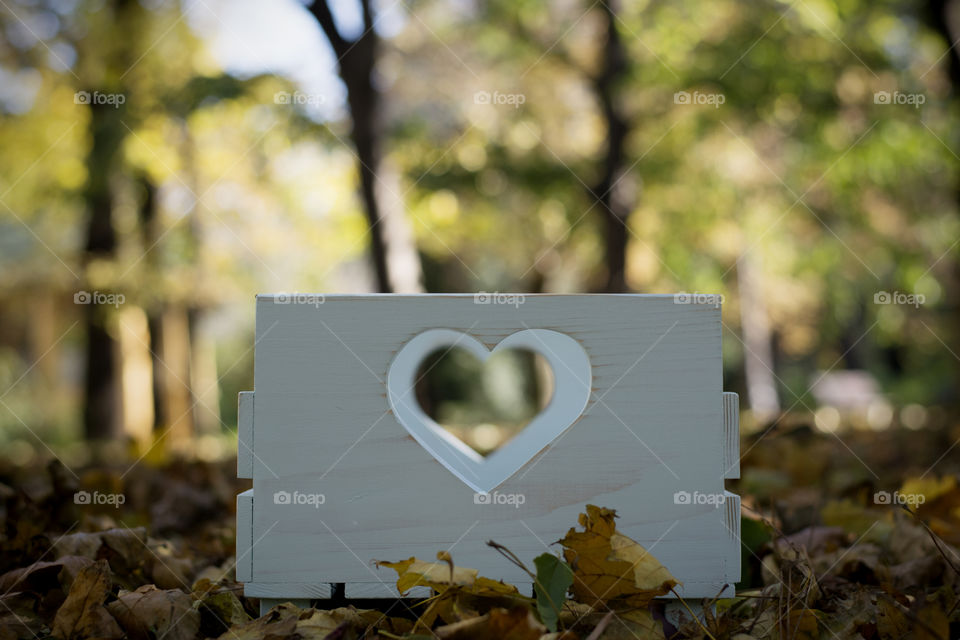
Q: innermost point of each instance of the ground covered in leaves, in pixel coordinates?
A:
(825, 555)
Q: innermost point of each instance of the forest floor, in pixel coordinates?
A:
(824, 556)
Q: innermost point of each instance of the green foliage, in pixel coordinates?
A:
(554, 577)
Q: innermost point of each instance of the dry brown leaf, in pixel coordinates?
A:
(82, 615)
(278, 623)
(517, 623)
(436, 575)
(636, 624)
(288, 621)
(608, 565)
(150, 612)
(461, 593)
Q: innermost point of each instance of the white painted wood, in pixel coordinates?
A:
(244, 557)
(245, 434)
(572, 381)
(287, 590)
(731, 520)
(340, 482)
(731, 434)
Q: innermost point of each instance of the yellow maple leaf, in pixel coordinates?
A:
(608, 565)
(459, 589)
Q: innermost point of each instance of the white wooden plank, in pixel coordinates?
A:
(244, 558)
(287, 590)
(731, 435)
(734, 549)
(245, 434)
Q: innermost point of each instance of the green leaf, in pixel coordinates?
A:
(554, 577)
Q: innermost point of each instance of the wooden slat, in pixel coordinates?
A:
(731, 435)
(245, 434)
(244, 567)
(731, 518)
(287, 590)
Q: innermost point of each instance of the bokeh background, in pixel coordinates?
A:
(164, 161)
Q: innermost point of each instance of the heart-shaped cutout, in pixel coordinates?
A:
(484, 402)
(572, 384)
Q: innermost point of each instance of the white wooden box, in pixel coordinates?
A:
(338, 481)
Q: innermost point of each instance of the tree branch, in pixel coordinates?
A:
(321, 11)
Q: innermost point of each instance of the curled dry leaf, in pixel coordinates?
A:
(287, 622)
(465, 595)
(82, 614)
(149, 613)
(517, 623)
(608, 565)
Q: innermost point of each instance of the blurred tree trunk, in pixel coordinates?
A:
(944, 17)
(149, 236)
(759, 365)
(396, 263)
(615, 190)
(101, 384)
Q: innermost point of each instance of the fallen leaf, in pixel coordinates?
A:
(608, 565)
(518, 623)
(460, 592)
(286, 621)
(149, 612)
(82, 614)
(436, 575)
(554, 577)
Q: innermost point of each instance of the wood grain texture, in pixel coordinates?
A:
(731, 435)
(653, 426)
(244, 557)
